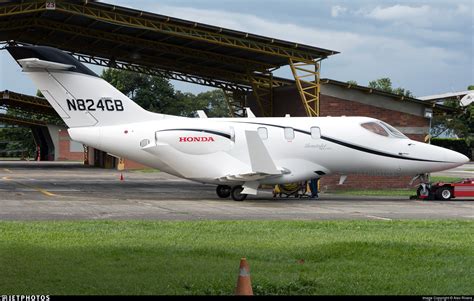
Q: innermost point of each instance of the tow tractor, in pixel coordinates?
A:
(446, 191)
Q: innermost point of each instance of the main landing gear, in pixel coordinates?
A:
(224, 191)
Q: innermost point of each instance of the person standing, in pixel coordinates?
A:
(313, 185)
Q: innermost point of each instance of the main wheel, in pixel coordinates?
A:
(444, 193)
(237, 194)
(223, 191)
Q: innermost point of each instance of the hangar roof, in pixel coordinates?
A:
(14, 120)
(28, 110)
(115, 36)
(24, 102)
(446, 96)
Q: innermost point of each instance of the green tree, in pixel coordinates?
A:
(153, 93)
(16, 139)
(459, 123)
(471, 87)
(385, 84)
(156, 94)
(352, 82)
(213, 103)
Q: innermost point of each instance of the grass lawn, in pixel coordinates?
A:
(202, 257)
(445, 179)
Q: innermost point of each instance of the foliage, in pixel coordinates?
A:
(152, 93)
(213, 103)
(352, 82)
(458, 145)
(459, 123)
(156, 94)
(15, 141)
(385, 84)
(471, 87)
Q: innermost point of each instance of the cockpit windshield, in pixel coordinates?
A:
(393, 130)
(375, 128)
(383, 129)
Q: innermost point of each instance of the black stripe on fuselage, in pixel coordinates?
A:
(225, 135)
(349, 145)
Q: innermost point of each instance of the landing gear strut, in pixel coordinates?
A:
(237, 195)
(223, 191)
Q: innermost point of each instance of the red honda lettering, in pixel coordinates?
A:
(196, 139)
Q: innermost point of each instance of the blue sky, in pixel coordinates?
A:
(423, 46)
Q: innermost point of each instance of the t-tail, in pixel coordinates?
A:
(78, 95)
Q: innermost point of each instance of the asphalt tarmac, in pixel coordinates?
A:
(70, 191)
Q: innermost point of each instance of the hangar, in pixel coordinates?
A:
(239, 63)
(48, 130)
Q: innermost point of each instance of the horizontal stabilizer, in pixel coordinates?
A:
(37, 63)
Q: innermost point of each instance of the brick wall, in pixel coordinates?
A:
(364, 182)
(332, 106)
(64, 148)
(129, 164)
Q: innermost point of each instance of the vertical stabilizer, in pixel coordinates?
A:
(78, 95)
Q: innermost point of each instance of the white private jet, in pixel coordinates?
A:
(237, 154)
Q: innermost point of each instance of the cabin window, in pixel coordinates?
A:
(263, 133)
(315, 132)
(289, 134)
(375, 128)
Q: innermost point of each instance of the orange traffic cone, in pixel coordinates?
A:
(244, 286)
(121, 176)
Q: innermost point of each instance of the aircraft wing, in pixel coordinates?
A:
(261, 162)
(248, 177)
(260, 159)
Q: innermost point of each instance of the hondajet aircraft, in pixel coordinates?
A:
(237, 154)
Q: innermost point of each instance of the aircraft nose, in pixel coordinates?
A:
(456, 158)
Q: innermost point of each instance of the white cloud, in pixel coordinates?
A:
(332, 39)
(420, 16)
(398, 12)
(411, 64)
(464, 9)
(337, 10)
